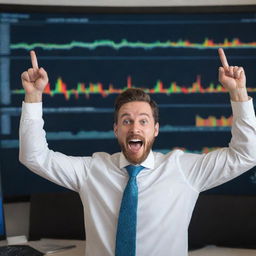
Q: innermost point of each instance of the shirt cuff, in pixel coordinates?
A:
(32, 110)
(243, 108)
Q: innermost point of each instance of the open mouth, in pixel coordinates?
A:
(135, 145)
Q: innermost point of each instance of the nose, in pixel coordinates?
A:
(135, 128)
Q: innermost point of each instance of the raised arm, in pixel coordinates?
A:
(34, 153)
(204, 171)
(34, 81)
(233, 79)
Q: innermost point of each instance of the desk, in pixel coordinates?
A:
(79, 250)
(222, 251)
(206, 251)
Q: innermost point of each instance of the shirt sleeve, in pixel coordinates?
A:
(67, 171)
(204, 171)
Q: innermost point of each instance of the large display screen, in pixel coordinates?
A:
(91, 58)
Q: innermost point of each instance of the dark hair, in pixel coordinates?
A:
(135, 94)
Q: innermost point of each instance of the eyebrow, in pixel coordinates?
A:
(141, 114)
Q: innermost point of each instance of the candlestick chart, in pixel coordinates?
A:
(92, 58)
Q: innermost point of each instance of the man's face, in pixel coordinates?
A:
(136, 130)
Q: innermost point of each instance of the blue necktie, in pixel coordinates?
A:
(126, 228)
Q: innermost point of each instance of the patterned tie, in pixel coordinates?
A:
(126, 228)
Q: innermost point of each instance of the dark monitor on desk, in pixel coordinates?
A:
(2, 222)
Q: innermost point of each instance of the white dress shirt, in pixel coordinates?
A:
(168, 185)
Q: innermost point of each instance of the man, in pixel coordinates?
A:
(162, 196)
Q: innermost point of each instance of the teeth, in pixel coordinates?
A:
(135, 140)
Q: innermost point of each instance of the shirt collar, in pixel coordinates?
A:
(149, 162)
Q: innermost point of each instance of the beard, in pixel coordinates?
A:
(133, 158)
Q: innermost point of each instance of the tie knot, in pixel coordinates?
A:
(133, 170)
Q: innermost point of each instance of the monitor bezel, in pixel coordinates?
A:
(14, 8)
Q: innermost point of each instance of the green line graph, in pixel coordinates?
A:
(124, 43)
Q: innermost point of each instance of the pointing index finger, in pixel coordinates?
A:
(34, 60)
(223, 58)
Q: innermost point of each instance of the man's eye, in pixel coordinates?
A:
(143, 121)
(126, 121)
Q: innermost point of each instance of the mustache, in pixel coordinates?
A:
(133, 137)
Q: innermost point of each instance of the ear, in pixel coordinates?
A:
(115, 129)
(156, 129)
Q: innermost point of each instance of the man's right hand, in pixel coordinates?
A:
(34, 81)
